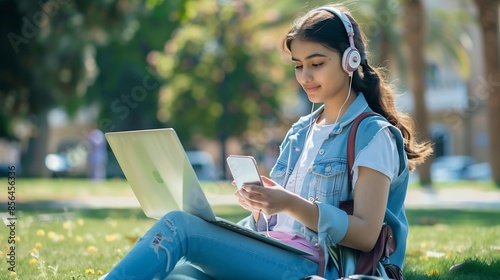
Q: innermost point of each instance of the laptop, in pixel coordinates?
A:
(159, 172)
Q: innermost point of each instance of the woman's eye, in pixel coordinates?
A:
(312, 64)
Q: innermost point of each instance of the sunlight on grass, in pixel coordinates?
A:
(453, 252)
(85, 243)
(66, 188)
(478, 185)
(73, 246)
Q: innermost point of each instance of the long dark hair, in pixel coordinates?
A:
(323, 27)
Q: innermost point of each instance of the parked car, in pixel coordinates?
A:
(70, 159)
(203, 165)
(10, 169)
(451, 168)
(479, 171)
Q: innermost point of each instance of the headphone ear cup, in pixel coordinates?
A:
(351, 60)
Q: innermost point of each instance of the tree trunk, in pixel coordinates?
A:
(414, 40)
(489, 20)
(384, 47)
(33, 154)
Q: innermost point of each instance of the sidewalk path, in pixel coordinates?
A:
(416, 198)
(453, 198)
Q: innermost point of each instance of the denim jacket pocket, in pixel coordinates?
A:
(278, 172)
(328, 180)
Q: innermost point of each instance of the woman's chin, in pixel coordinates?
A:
(314, 99)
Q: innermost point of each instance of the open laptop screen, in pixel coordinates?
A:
(159, 172)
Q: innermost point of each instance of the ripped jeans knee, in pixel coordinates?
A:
(165, 231)
(158, 251)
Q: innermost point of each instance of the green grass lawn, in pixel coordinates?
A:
(82, 243)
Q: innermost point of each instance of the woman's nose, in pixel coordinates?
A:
(304, 76)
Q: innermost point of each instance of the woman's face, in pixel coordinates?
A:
(319, 72)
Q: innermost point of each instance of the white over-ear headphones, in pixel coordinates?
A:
(351, 59)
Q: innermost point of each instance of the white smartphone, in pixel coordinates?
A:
(244, 170)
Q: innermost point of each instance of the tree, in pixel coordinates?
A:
(489, 23)
(50, 59)
(384, 24)
(126, 89)
(379, 21)
(219, 81)
(413, 15)
(22, 92)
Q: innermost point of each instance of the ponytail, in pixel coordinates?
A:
(380, 98)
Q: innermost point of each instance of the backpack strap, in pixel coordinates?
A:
(351, 141)
(386, 243)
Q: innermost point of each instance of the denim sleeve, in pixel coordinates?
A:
(332, 222)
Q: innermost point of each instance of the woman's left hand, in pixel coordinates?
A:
(270, 198)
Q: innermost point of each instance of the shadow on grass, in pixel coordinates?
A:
(229, 212)
(470, 269)
(464, 217)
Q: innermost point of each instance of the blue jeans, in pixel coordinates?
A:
(195, 247)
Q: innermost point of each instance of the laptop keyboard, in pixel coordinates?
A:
(235, 227)
(257, 235)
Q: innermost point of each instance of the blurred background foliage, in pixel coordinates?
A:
(209, 67)
(216, 64)
(198, 66)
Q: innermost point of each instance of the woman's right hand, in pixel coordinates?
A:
(244, 202)
(268, 197)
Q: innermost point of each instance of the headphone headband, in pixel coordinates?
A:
(351, 59)
(345, 20)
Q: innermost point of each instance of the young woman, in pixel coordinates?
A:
(310, 177)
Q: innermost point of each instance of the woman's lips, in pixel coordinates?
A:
(311, 88)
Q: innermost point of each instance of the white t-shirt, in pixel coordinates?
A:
(313, 142)
(382, 147)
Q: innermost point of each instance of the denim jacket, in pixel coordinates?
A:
(326, 180)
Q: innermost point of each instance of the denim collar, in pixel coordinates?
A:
(357, 107)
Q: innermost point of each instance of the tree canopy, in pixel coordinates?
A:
(217, 76)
